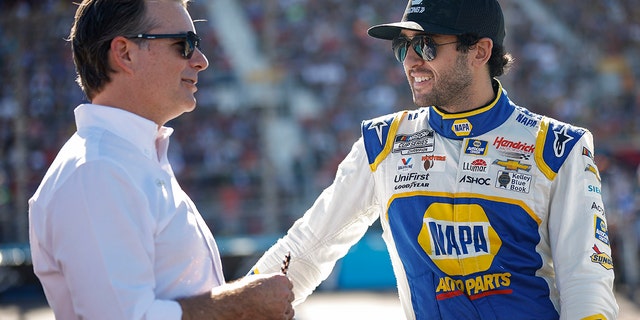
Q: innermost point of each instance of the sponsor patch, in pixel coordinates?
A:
(512, 165)
(601, 230)
(561, 138)
(475, 165)
(503, 144)
(587, 153)
(459, 244)
(419, 142)
(514, 181)
(593, 191)
(474, 287)
(594, 170)
(378, 127)
(434, 163)
(598, 207)
(462, 127)
(601, 258)
(411, 180)
(483, 181)
(526, 121)
(405, 164)
(476, 147)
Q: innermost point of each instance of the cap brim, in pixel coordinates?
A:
(390, 31)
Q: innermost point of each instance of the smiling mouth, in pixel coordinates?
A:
(421, 79)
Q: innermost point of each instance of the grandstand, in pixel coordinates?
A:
(289, 83)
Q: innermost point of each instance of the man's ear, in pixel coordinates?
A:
(121, 54)
(483, 51)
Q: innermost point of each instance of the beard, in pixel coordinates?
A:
(450, 89)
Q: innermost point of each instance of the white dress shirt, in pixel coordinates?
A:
(113, 236)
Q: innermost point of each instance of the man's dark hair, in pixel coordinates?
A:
(96, 24)
(500, 60)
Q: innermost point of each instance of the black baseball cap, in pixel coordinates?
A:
(456, 17)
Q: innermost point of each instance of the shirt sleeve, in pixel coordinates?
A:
(579, 240)
(336, 221)
(102, 240)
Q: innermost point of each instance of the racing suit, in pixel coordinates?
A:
(494, 213)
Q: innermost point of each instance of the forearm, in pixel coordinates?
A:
(221, 303)
(263, 297)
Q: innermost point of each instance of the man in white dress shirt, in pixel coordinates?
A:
(113, 236)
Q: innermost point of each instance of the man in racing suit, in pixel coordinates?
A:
(488, 210)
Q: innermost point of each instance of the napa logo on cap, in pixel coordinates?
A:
(459, 247)
(461, 127)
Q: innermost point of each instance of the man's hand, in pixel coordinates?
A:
(264, 296)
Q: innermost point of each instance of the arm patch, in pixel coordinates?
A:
(376, 133)
(554, 143)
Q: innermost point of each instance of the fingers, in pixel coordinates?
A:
(289, 313)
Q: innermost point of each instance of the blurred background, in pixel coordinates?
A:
(280, 106)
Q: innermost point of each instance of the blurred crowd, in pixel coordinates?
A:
(575, 60)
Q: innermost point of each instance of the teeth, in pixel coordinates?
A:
(421, 79)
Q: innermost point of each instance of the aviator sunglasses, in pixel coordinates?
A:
(191, 40)
(423, 45)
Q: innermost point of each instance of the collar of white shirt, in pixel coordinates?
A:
(141, 132)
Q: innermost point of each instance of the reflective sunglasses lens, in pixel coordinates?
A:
(399, 47)
(191, 42)
(418, 44)
(424, 47)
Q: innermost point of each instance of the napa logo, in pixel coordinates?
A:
(462, 127)
(459, 247)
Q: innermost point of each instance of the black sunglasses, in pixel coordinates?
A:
(191, 40)
(423, 45)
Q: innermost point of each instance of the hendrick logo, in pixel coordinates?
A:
(507, 145)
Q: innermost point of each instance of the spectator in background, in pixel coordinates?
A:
(113, 236)
(488, 210)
